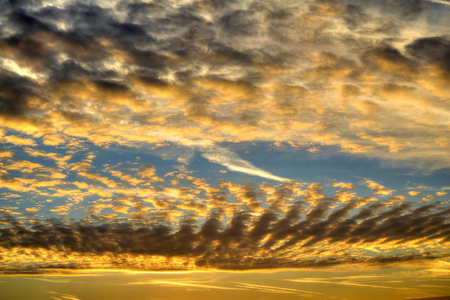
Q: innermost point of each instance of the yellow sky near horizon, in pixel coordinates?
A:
(429, 279)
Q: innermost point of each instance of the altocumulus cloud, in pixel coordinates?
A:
(331, 73)
(301, 233)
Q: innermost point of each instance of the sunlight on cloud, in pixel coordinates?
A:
(59, 296)
(342, 281)
(232, 161)
(439, 1)
(275, 289)
(192, 284)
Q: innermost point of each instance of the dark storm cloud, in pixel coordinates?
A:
(247, 241)
(151, 31)
(14, 91)
(383, 56)
(27, 22)
(432, 49)
(239, 22)
(407, 9)
(155, 40)
(355, 16)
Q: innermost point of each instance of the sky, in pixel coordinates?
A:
(264, 149)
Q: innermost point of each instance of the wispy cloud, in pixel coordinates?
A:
(439, 1)
(274, 289)
(238, 286)
(191, 284)
(49, 280)
(347, 281)
(61, 296)
(227, 158)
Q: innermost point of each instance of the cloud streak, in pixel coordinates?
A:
(233, 162)
(189, 284)
(347, 282)
(439, 1)
(275, 289)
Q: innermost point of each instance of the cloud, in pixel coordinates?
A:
(343, 281)
(233, 162)
(275, 289)
(51, 280)
(237, 286)
(378, 188)
(439, 1)
(369, 79)
(189, 284)
(18, 141)
(60, 296)
(289, 235)
(294, 72)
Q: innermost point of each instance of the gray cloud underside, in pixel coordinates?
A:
(271, 239)
(175, 45)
